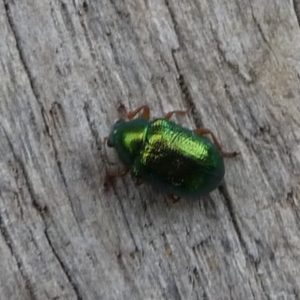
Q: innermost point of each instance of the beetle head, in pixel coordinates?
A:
(112, 138)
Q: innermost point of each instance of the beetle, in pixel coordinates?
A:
(177, 160)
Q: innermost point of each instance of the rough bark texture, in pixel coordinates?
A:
(65, 66)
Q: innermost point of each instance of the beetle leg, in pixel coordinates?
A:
(117, 173)
(138, 181)
(106, 142)
(111, 175)
(145, 114)
(173, 198)
(174, 112)
(204, 131)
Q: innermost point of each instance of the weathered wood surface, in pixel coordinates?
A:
(65, 66)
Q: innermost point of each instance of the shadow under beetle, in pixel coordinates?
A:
(177, 160)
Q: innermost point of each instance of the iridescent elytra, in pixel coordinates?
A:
(177, 160)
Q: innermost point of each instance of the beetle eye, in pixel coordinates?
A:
(109, 144)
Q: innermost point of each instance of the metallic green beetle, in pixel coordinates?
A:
(179, 161)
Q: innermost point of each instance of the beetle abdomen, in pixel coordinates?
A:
(178, 160)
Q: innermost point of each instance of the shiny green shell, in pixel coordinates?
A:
(167, 155)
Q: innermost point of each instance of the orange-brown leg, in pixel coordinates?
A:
(137, 181)
(145, 112)
(112, 174)
(173, 198)
(105, 142)
(175, 112)
(204, 131)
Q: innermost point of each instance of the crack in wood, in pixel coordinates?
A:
(254, 262)
(128, 226)
(36, 95)
(234, 67)
(29, 186)
(260, 30)
(296, 6)
(4, 231)
(92, 127)
(186, 95)
(172, 16)
(20, 51)
(58, 162)
(9, 242)
(228, 202)
(64, 268)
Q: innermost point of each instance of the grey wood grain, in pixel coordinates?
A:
(65, 66)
